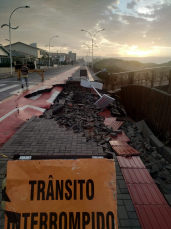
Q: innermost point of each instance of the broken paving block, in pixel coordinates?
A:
(154, 169)
(114, 135)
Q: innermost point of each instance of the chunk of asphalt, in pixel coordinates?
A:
(57, 109)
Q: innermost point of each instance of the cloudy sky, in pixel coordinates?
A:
(132, 27)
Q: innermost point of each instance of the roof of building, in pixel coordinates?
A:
(26, 45)
(21, 54)
(2, 47)
(55, 53)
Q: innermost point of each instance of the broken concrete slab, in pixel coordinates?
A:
(142, 126)
(156, 143)
(166, 153)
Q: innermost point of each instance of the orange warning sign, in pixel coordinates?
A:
(61, 194)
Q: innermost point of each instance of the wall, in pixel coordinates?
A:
(23, 48)
(62, 58)
(150, 104)
(6, 70)
(2, 52)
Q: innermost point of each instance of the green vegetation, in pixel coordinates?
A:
(114, 65)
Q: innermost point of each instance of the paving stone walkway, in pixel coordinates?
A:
(40, 136)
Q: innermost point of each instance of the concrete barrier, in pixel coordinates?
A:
(166, 153)
(154, 141)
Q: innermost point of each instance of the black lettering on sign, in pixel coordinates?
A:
(93, 220)
(110, 218)
(68, 197)
(53, 220)
(85, 219)
(43, 220)
(74, 224)
(41, 189)
(81, 182)
(75, 189)
(63, 222)
(25, 216)
(14, 225)
(32, 182)
(90, 186)
(59, 189)
(50, 192)
(100, 220)
(33, 221)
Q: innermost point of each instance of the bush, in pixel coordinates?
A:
(5, 65)
(30, 66)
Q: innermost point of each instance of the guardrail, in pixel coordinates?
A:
(40, 72)
(151, 77)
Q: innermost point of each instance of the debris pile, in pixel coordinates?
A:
(158, 167)
(74, 109)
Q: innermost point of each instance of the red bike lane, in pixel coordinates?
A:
(16, 110)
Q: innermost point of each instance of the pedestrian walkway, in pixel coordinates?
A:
(45, 137)
(139, 202)
(17, 109)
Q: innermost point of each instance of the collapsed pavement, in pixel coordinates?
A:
(74, 109)
(158, 167)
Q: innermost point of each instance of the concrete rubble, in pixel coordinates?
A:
(74, 109)
(158, 167)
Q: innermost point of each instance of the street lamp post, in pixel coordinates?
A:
(10, 31)
(88, 47)
(60, 50)
(49, 49)
(92, 37)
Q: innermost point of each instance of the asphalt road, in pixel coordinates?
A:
(9, 86)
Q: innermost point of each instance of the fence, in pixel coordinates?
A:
(150, 104)
(152, 77)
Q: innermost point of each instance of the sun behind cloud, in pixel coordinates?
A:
(134, 51)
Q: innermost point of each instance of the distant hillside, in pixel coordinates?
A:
(113, 65)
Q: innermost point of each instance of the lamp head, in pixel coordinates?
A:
(27, 6)
(4, 25)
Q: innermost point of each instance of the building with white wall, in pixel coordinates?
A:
(4, 54)
(58, 56)
(31, 49)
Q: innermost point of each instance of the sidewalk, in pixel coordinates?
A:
(17, 109)
(44, 136)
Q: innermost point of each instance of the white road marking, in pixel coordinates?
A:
(2, 85)
(50, 100)
(35, 97)
(21, 108)
(9, 87)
